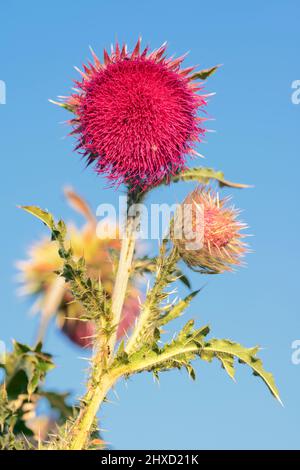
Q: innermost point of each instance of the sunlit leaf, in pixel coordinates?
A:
(44, 216)
(205, 73)
(223, 349)
(204, 176)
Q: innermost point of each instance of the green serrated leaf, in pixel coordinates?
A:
(178, 309)
(87, 292)
(222, 348)
(204, 175)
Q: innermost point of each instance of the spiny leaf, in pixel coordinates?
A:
(183, 278)
(174, 355)
(186, 346)
(149, 265)
(183, 334)
(148, 321)
(144, 265)
(223, 349)
(191, 371)
(178, 309)
(20, 348)
(25, 368)
(227, 363)
(85, 290)
(199, 335)
(204, 74)
(204, 175)
(44, 216)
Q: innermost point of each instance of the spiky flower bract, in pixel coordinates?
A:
(208, 235)
(38, 277)
(136, 115)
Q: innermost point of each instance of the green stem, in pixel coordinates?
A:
(95, 397)
(98, 392)
(125, 262)
(101, 378)
(122, 278)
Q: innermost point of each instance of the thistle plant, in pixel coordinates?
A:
(53, 296)
(136, 116)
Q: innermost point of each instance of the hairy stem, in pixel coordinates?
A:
(98, 390)
(125, 262)
(94, 398)
(101, 376)
(124, 268)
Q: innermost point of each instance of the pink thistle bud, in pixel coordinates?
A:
(207, 234)
(136, 115)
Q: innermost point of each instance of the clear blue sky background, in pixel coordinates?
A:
(257, 142)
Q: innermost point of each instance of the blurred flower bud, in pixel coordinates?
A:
(207, 234)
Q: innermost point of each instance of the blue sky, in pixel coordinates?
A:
(256, 141)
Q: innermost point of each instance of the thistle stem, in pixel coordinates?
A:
(85, 420)
(124, 268)
(101, 376)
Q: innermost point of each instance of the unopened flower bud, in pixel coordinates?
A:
(207, 234)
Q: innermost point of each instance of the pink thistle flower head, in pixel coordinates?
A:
(136, 115)
(207, 233)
